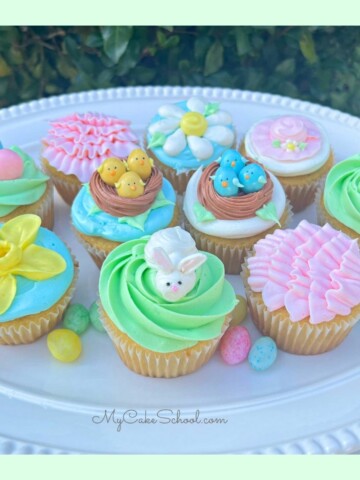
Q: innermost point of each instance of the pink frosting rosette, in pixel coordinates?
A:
(79, 143)
(286, 138)
(312, 271)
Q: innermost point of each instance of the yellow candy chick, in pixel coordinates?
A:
(130, 185)
(139, 162)
(111, 170)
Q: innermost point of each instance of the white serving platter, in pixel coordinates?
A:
(301, 405)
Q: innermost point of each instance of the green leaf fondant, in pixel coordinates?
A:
(94, 209)
(211, 108)
(302, 145)
(268, 212)
(139, 220)
(201, 214)
(276, 143)
(157, 140)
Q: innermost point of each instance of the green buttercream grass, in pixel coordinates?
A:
(25, 190)
(128, 296)
(342, 192)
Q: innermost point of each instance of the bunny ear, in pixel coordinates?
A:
(161, 259)
(191, 263)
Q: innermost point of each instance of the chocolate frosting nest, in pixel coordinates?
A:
(244, 205)
(108, 200)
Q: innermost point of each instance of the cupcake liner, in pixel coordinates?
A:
(99, 248)
(232, 251)
(301, 189)
(31, 327)
(68, 186)
(161, 365)
(301, 338)
(324, 217)
(44, 207)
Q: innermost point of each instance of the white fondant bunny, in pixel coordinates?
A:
(173, 253)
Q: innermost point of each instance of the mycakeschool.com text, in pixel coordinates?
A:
(164, 416)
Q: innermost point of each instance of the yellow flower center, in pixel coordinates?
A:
(10, 256)
(193, 123)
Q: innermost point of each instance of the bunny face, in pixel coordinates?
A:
(174, 282)
(175, 285)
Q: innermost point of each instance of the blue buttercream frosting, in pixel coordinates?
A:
(185, 160)
(33, 297)
(87, 218)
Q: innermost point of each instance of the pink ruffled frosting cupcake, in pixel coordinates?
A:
(307, 280)
(79, 143)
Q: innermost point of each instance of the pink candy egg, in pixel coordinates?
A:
(11, 165)
(235, 345)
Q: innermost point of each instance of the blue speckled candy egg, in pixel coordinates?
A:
(263, 354)
(233, 159)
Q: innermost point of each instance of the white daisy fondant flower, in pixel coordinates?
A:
(198, 128)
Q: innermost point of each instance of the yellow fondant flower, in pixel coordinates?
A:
(20, 256)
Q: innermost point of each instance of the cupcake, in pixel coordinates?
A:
(37, 280)
(123, 201)
(303, 287)
(186, 135)
(77, 145)
(24, 188)
(338, 202)
(164, 304)
(296, 150)
(230, 205)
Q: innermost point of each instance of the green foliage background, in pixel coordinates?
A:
(320, 64)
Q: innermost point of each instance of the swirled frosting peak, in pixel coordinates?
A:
(25, 190)
(79, 143)
(312, 271)
(342, 192)
(129, 297)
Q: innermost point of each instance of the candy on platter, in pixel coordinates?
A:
(263, 353)
(235, 345)
(76, 318)
(64, 345)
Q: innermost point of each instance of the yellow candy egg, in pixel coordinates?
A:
(193, 123)
(139, 162)
(130, 185)
(111, 170)
(64, 345)
(240, 311)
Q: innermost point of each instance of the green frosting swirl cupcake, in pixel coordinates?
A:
(342, 192)
(130, 299)
(25, 190)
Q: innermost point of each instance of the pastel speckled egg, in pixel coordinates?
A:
(235, 345)
(64, 345)
(95, 318)
(76, 318)
(262, 354)
(11, 165)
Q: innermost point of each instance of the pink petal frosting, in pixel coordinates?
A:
(312, 271)
(292, 127)
(79, 143)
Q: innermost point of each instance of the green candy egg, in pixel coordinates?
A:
(95, 318)
(76, 318)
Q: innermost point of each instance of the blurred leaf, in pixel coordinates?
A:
(5, 70)
(66, 68)
(214, 58)
(307, 48)
(116, 40)
(286, 67)
(94, 40)
(242, 41)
